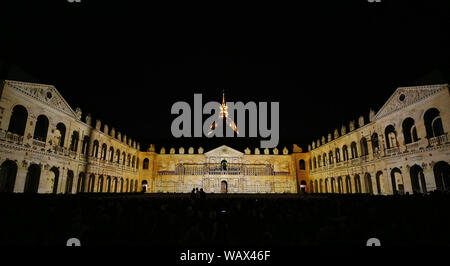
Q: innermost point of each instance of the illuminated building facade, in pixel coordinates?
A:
(46, 147)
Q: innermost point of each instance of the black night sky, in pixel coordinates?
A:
(126, 63)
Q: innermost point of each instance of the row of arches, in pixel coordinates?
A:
(17, 125)
(348, 184)
(112, 155)
(8, 175)
(433, 128)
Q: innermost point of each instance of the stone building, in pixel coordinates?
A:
(46, 147)
(404, 148)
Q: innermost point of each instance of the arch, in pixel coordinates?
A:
(378, 177)
(303, 186)
(120, 189)
(127, 185)
(91, 183)
(85, 145)
(338, 155)
(409, 131)
(111, 154)
(340, 185)
(314, 163)
(364, 147)
(129, 160)
(74, 141)
(131, 185)
(368, 184)
(345, 152)
(133, 159)
(124, 158)
(18, 120)
(95, 147)
(316, 186)
(357, 182)
(442, 175)
(333, 185)
(62, 131)
(348, 184)
(433, 123)
(100, 184)
(397, 181)
(81, 184)
(319, 161)
(354, 150)
(330, 157)
(108, 184)
(118, 156)
(8, 173)
(41, 128)
(103, 151)
(137, 163)
(115, 184)
(311, 186)
(391, 137)
(324, 158)
(417, 179)
(375, 143)
(326, 185)
(321, 186)
(55, 172)
(135, 186)
(223, 186)
(301, 164)
(69, 182)
(144, 185)
(32, 179)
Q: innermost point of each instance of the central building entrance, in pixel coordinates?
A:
(224, 187)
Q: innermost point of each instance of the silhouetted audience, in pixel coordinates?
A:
(224, 220)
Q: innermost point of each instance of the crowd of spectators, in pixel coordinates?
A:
(224, 219)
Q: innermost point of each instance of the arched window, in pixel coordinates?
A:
(8, 173)
(409, 131)
(85, 146)
(81, 184)
(354, 150)
(324, 158)
(118, 156)
(375, 144)
(397, 181)
(111, 154)
(32, 179)
(69, 182)
(368, 183)
(145, 164)
(330, 157)
(338, 155)
(314, 163)
(100, 184)
(132, 161)
(364, 147)
(41, 128)
(301, 164)
(391, 137)
(319, 161)
(137, 163)
(91, 183)
(345, 152)
(223, 165)
(433, 123)
(74, 141)
(95, 149)
(129, 160)
(417, 179)
(55, 172)
(18, 120)
(348, 184)
(357, 184)
(62, 134)
(442, 175)
(104, 149)
(124, 158)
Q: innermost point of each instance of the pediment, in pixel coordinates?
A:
(405, 96)
(46, 94)
(224, 151)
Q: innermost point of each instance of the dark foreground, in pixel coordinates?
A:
(224, 220)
